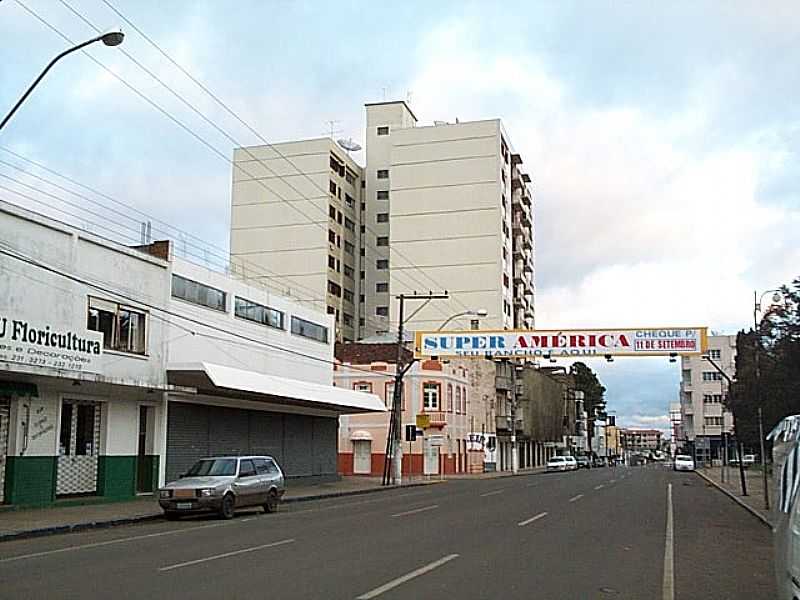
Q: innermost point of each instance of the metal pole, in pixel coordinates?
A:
(514, 461)
(397, 460)
(756, 306)
(43, 73)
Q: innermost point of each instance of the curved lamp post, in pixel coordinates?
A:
(112, 38)
(481, 312)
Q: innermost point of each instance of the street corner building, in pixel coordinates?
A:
(120, 366)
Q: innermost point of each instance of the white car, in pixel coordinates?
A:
(573, 464)
(558, 463)
(683, 462)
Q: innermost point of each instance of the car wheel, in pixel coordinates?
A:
(171, 515)
(227, 509)
(271, 505)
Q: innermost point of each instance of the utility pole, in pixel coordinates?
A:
(757, 334)
(514, 458)
(393, 459)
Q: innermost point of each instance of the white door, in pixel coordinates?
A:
(431, 462)
(3, 445)
(362, 457)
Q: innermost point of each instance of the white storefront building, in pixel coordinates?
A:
(119, 366)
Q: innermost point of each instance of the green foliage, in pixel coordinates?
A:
(777, 344)
(594, 392)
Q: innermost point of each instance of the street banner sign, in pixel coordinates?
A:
(562, 343)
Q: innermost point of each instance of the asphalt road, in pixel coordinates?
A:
(602, 533)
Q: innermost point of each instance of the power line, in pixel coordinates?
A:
(175, 120)
(17, 255)
(240, 120)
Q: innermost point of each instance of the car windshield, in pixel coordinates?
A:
(683, 457)
(557, 459)
(217, 466)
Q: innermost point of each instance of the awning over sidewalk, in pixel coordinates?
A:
(219, 380)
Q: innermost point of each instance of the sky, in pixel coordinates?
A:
(663, 139)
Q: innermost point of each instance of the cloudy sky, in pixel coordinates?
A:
(663, 138)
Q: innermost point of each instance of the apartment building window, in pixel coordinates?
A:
(363, 251)
(338, 241)
(350, 177)
(362, 386)
(348, 295)
(463, 400)
(331, 236)
(382, 217)
(715, 354)
(349, 225)
(361, 298)
(458, 400)
(361, 321)
(331, 262)
(711, 376)
(382, 287)
(383, 174)
(363, 206)
(347, 320)
(332, 212)
(258, 313)
(361, 275)
(339, 217)
(332, 187)
(338, 266)
(349, 248)
(713, 421)
(348, 199)
(382, 311)
(430, 395)
(505, 253)
(123, 328)
(383, 130)
(505, 279)
(383, 194)
(348, 272)
(449, 397)
(382, 264)
(198, 293)
(712, 398)
(309, 330)
(382, 240)
(331, 310)
(335, 289)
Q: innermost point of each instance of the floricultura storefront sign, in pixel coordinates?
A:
(42, 345)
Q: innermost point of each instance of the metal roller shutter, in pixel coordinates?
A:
(325, 442)
(228, 433)
(297, 446)
(187, 437)
(266, 434)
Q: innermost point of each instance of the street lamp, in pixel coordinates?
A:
(480, 313)
(112, 38)
(776, 297)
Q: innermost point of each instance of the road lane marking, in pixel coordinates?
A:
(109, 542)
(225, 555)
(407, 577)
(599, 487)
(669, 552)
(532, 519)
(416, 510)
(346, 504)
(492, 493)
(613, 481)
(574, 498)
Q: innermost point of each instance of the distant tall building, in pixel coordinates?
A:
(702, 393)
(440, 207)
(675, 427)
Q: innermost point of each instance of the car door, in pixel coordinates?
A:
(264, 478)
(276, 476)
(246, 485)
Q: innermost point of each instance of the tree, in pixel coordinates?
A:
(593, 393)
(777, 341)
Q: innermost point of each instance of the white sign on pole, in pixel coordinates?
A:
(572, 343)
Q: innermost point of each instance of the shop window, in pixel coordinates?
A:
(258, 313)
(309, 330)
(198, 293)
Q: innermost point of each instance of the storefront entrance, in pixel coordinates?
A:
(79, 441)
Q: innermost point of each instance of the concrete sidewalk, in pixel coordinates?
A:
(754, 501)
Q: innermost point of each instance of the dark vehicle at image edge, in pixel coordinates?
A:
(583, 462)
(222, 484)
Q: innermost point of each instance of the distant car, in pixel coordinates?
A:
(600, 461)
(683, 462)
(583, 462)
(572, 463)
(223, 484)
(558, 463)
(748, 460)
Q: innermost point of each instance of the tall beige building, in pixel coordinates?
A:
(295, 224)
(440, 207)
(702, 392)
(453, 204)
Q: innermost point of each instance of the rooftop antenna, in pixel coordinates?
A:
(408, 97)
(332, 128)
(386, 89)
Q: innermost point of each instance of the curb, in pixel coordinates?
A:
(76, 527)
(739, 501)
